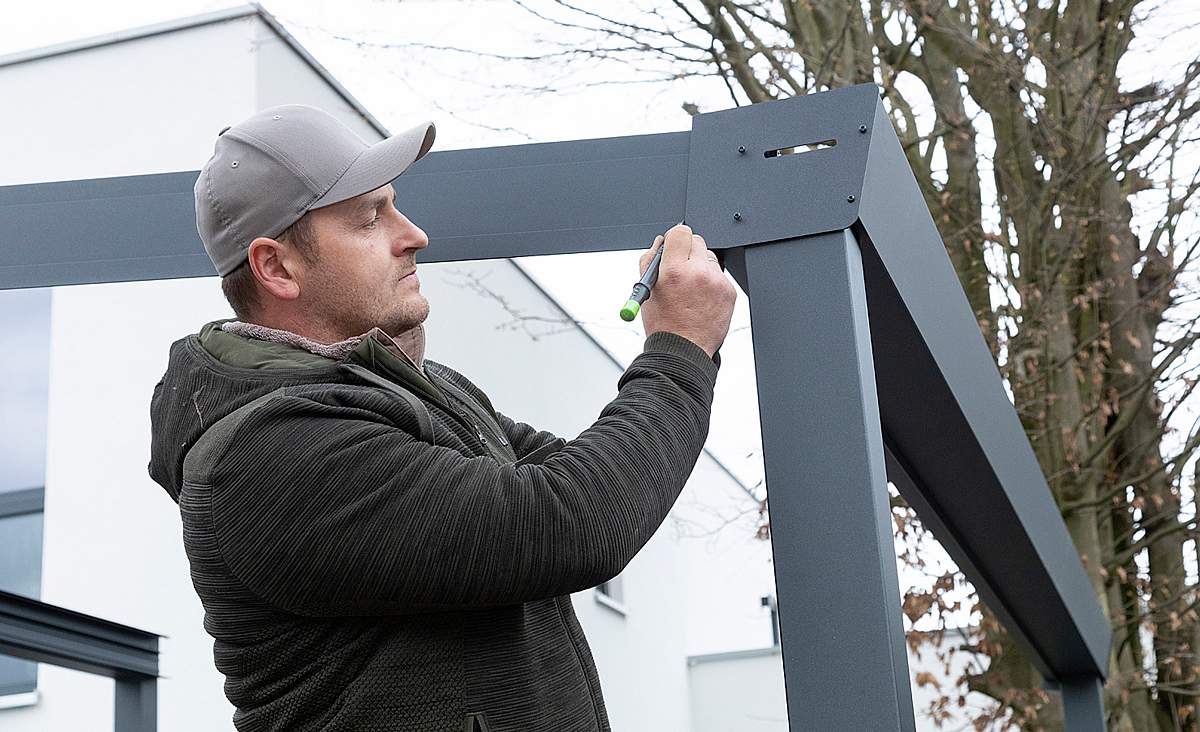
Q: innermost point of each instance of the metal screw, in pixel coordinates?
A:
(737, 215)
(741, 149)
(233, 164)
(862, 128)
(850, 198)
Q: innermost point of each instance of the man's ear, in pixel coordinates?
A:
(275, 267)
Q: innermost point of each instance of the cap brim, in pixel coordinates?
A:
(379, 164)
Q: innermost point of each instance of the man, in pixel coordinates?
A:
(375, 547)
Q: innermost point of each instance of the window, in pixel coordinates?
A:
(24, 385)
(611, 594)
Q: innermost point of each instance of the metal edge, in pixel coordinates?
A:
(131, 34)
(22, 501)
(274, 24)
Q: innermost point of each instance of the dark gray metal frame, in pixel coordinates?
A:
(41, 632)
(870, 364)
(17, 504)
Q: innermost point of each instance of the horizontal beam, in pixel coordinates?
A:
(38, 631)
(22, 501)
(105, 230)
(488, 203)
(598, 195)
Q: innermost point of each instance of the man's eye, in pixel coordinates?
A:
(374, 220)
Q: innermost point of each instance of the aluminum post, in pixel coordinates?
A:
(135, 708)
(835, 566)
(1083, 704)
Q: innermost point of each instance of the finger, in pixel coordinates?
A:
(699, 250)
(678, 246)
(647, 257)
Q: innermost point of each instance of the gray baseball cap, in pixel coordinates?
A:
(269, 170)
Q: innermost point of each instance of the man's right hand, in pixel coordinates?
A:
(692, 297)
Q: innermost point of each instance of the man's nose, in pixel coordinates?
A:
(410, 236)
(416, 238)
(422, 237)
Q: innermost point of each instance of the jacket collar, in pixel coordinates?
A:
(410, 344)
(248, 345)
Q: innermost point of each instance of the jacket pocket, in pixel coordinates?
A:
(537, 456)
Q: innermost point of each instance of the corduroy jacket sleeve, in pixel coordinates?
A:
(523, 438)
(323, 506)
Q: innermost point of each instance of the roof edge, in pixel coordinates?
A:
(734, 655)
(197, 21)
(129, 34)
(274, 24)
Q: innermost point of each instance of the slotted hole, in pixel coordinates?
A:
(797, 149)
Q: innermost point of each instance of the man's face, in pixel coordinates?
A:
(365, 275)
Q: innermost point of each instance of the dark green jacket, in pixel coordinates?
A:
(374, 558)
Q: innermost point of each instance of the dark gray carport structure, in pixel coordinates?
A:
(870, 364)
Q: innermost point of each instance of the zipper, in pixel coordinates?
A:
(478, 430)
(463, 415)
(497, 434)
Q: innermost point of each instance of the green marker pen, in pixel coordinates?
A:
(641, 290)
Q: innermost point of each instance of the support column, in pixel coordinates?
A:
(136, 704)
(842, 636)
(1083, 704)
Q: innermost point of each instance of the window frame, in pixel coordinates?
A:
(13, 503)
(611, 594)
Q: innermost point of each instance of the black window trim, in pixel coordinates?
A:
(22, 501)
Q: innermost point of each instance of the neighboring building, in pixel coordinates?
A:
(83, 526)
(738, 690)
(743, 690)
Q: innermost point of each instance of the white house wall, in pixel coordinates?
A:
(282, 77)
(145, 106)
(739, 691)
(112, 537)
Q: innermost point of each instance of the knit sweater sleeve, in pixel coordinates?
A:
(326, 508)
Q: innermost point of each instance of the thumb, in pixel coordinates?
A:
(644, 262)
